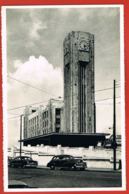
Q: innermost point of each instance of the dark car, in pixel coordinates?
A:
(67, 161)
(23, 161)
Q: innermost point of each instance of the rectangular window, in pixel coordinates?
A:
(57, 129)
(57, 120)
(58, 111)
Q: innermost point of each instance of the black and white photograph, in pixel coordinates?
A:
(63, 98)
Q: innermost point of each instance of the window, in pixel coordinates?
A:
(57, 120)
(57, 111)
(57, 129)
(56, 158)
(47, 114)
(47, 122)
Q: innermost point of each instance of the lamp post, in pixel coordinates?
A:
(114, 125)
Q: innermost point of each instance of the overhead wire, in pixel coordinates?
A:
(14, 108)
(41, 90)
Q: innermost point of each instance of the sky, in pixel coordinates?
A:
(35, 56)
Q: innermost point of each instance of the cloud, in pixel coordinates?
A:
(37, 72)
(34, 31)
(37, 25)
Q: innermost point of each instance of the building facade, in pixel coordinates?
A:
(41, 121)
(79, 95)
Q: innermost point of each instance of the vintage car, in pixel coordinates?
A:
(23, 161)
(67, 161)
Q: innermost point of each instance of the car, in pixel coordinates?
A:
(66, 161)
(15, 184)
(23, 161)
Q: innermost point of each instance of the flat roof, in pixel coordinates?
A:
(67, 139)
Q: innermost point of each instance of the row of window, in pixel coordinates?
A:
(45, 114)
(38, 125)
(33, 129)
(36, 120)
(35, 126)
(45, 131)
(45, 123)
(33, 121)
(34, 133)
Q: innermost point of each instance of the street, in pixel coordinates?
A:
(46, 178)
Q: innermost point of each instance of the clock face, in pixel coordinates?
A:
(84, 45)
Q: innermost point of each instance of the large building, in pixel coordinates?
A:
(71, 123)
(79, 86)
(43, 120)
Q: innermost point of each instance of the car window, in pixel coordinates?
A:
(28, 158)
(71, 157)
(66, 158)
(17, 159)
(56, 158)
(61, 157)
(79, 160)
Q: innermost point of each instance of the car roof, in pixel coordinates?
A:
(63, 155)
(22, 157)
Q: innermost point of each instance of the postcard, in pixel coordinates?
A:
(63, 98)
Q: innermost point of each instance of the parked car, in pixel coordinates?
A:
(23, 161)
(67, 161)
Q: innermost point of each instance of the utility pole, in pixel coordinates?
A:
(94, 118)
(114, 125)
(21, 135)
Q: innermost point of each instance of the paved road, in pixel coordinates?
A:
(46, 178)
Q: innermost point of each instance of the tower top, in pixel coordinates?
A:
(78, 33)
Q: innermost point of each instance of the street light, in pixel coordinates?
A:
(114, 125)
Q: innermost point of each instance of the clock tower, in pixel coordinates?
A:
(79, 82)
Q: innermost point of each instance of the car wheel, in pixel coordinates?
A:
(52, 167)
(74, 167)
(83, 168)
(23, 166)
